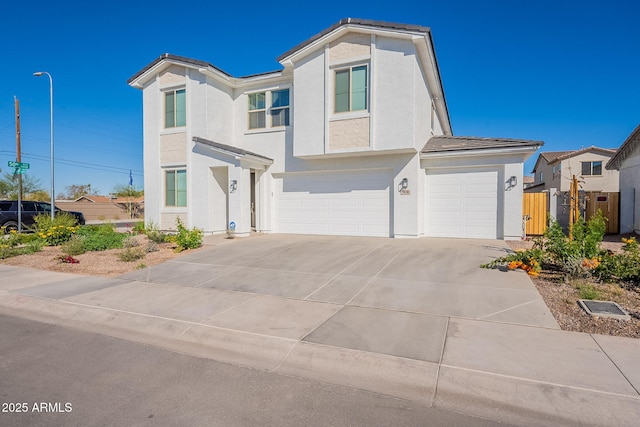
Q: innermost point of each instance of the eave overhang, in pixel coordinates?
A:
(235, 152)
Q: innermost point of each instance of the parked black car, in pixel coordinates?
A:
(9, 213)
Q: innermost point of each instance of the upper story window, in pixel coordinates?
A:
(280, 107)
(257, 110)
(591, 168)
(351, 89)
(175, 108)
(541, 176)
(278, 110)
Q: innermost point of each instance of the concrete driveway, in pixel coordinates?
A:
(384, 296)
(414, 319)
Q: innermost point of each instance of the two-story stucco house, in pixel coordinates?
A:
(555, 169)
(627, 163)
(351, 137)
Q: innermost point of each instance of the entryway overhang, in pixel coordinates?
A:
(235, 152)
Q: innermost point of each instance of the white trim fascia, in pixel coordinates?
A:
(426, 55)
(479, 153)
(241, 157)
(328, 171)
(339, 32)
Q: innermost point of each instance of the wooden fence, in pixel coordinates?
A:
(609, 204)
(534, 209)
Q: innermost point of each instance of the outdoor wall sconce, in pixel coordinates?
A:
(233, 186)
(403, 186)
(511, 182)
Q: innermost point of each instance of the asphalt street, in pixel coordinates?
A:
(55, 376)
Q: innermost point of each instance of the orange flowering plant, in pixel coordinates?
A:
(527, 260)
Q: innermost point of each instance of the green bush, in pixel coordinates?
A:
(187, 239)
(623, 267)
(101, 237)
(19, 244)
(56, 232)
(139, 228)
(74, 246)
(131, 254)
(154, 234)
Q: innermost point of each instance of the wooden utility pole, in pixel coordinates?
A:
(18, 159)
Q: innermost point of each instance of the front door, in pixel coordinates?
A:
(253, 200)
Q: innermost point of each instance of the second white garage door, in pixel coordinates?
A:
(462, 204)
(337, 203)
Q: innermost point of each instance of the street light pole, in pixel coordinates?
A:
(38, 74)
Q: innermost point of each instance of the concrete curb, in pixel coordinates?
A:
(493, 396)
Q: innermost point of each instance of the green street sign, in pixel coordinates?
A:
(19, 171)
(21, 165)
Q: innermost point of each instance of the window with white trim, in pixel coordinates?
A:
(175, 108)
(351, 89)
(591, 168)
(257, 110)
(272, 103)
(175, 189)
(279, 108)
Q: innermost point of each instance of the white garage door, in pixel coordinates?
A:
(337, 203)
(462, 204)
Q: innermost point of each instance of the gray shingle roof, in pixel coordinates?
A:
(355, 21)
(443, 143)
(627, 147)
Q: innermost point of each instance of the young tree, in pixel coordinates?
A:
(75, 191)
(9, 184)
(129, 198)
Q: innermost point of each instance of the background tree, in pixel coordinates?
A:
(76, 191)
(31, 187)
(129, 198)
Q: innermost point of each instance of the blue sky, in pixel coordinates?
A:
(564, 72)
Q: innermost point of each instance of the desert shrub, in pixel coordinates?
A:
(187, 239)
(56, 232)
(19, 244)
(151, 246)
(139, 228)
(528, 260)
(131, 254)
(623, 267)
(154, 234)
(74, 246)
(130, 242)
(101, 237)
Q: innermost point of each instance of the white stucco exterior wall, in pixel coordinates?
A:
(630, 193)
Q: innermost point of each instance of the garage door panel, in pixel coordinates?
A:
(462, 203)
(342, 203)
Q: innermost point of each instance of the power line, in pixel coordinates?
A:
(87, 165)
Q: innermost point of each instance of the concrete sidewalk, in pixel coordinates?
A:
(413, 319)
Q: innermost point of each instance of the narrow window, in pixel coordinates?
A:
(280, 108)
(176, 187)
(257, 110)
(351, 89)
(175, 108)
(586, 168)
(596, 168)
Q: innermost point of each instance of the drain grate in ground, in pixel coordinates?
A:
(603, 309)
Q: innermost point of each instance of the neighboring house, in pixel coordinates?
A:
(103, 208)
(627, 163)
(351, 137)
(528, 181)
(555, 169)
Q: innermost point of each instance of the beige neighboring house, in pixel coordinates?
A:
(103, 208)
(554, 169)
(626, 163)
